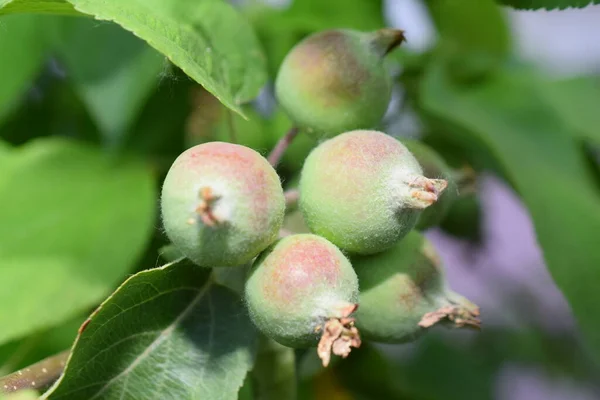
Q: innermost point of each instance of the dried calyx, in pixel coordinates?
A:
(205, 208)
(434, 166)
(339, 335)
(459, 313)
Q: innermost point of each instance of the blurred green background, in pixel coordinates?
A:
(91, 117)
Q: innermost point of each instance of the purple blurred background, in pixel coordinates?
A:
(506, 274)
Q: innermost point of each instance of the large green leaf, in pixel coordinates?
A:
(22, 53)
(576, 100)
(474, 34)
(112, 70)
(37, 6)
(547, 4)
(209, 40)
(540, 157)
(74, 221)
(166, 333)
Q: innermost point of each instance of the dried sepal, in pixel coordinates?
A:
(459, 316)
(205, 208)
(339, 336)
(424, 191)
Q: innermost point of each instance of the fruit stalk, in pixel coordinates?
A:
(281, 146)
(386, 40)
(291, 198)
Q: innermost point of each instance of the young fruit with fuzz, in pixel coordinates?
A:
(222, 204)
(335, 80)
(301, 289)
(434, 166)
(403, 292)
(363, 190)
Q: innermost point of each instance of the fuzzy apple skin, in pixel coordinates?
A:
(335, 81)
(359, 191)
(296, 285)
(249, 204)
(403, 292)
(398, 287)
(434, 166)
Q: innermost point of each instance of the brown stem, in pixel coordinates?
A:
(281, 146)
(35, 376)
(291, 198)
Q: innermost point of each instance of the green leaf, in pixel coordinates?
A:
(316, 15)
(158, 132)
(23, 51)
(232, 278)
(576, 100)
(474, 34)
(166, 333)
(538, 154)
(209, 40)
(274, 372)
(112, 70)
(37, 6)
(74, 221)
(548, 4)
(53, 109)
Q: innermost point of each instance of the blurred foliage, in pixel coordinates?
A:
(85, 194)
(27, 51)
(540, 158)
(59, 7)
(113, 71)
(92, 116)
(547, 4)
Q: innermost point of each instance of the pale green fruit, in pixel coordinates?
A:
(222, 204)
(296, 286)
(335, 81)
(403, 292)
(363, 191)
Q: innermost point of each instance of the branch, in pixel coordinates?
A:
(36, 376)
(281, 146)
(291, 198)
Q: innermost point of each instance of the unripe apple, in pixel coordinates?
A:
(302, 291)
(222, 204)
(363, 191)
(335, 80)
(403, 292)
